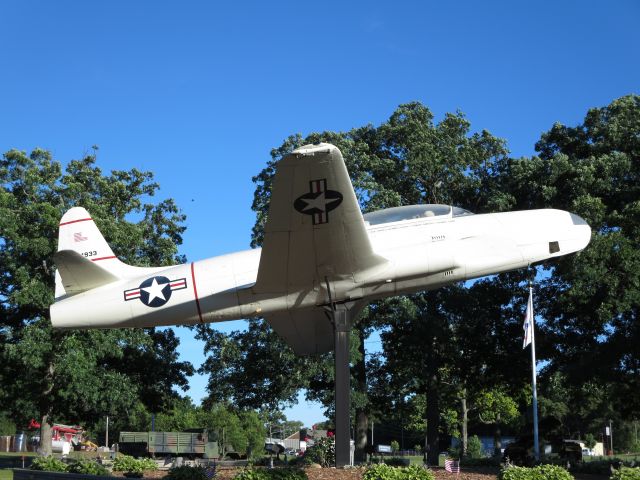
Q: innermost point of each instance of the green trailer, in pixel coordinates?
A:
(177, 444)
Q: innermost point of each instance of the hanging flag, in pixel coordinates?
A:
(528, 323)
(452, 466)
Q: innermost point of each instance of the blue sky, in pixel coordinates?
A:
(199, 92)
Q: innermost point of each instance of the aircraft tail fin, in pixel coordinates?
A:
(84, 258)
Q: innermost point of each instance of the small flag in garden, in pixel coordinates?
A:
(528, 323)
(452, 466)
(210, 472)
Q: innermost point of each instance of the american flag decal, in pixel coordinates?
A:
(318, 202)
(77, 237)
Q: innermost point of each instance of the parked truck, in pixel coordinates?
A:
(192, 443)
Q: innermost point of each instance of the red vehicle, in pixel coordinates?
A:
(73, 434)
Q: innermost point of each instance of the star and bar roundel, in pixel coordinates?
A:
(155, 291)
(318, 202)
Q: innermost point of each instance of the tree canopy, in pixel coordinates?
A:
(76, 375)
(449, 359)
(462, 344)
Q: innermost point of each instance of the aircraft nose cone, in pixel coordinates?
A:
(580, 232)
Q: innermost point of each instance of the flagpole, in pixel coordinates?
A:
(536, 444)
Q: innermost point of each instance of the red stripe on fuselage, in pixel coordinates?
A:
(195, 292)
(102, 258)
(76, 221)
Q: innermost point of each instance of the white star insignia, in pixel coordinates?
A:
(320, 202)
(155, 291)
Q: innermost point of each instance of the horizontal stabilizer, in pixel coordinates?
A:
(79, 274)
(306, 331)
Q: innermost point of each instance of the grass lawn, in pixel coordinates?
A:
(416, 459)
(6, 475)
(624, 456)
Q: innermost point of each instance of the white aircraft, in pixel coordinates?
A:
(318, 251)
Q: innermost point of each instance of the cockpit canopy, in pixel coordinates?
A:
(413, 212)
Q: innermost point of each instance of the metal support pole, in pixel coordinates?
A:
(536, 442)
(342, 327)
(611, 435)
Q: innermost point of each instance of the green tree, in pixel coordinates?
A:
(252, 368)
(7, 427)
(255, 431)
(447, 346)
(496, 407)
(228, 427)
(590, 302)
(182, 415)
(78, 376)
(242, 431)
(475, 447)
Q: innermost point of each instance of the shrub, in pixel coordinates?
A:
(589, 440)
(600, 467)
(148, 464)
(186, 472)
(271, 474)
(481, 462)
(382, 471)
(551, 472)
(454, 452)
(322, 452)
(626, 473)
(415, 472)
(48, 464)
(124, 463)
(87, 467)
(134, 466)
(541, 472)
(474, 447)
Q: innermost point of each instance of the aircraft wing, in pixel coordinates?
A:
(308, 331)
(315, 229)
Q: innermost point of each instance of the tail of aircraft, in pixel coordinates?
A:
(84, 258)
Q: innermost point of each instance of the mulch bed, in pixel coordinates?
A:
(471, 473)
(356, 474)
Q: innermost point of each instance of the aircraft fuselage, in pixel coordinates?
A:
(421, 254)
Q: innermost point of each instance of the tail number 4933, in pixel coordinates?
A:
(91, 253)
